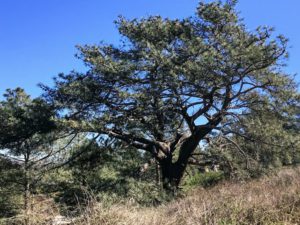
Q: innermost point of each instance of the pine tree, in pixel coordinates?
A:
(172, 82)
(25, 139)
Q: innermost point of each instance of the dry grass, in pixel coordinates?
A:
(42, 212)
(269, 200)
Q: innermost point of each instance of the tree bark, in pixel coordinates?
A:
(26, 201)
(26, 193)
(172, 172)
(157, 173)
(169, 174)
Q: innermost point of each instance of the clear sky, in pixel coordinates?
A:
(38, 37)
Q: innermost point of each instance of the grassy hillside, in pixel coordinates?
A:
(269, 200)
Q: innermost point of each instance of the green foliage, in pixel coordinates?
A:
(105, 171)
(172, 85)
(22, 119)
(25, 138)
(206, 179)
(10, 192)
(173, 82)
(258, 142)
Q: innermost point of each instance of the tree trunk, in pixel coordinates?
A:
(26, 201)
(172, 172)
(26, 193)
(157, 173)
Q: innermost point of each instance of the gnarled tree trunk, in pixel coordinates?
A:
(172, 172)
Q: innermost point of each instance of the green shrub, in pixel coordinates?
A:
(206, 179)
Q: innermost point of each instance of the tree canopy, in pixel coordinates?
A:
(172, 82)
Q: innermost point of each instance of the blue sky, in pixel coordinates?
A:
(38, 38)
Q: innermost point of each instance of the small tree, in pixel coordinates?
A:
(172, 82)
(25, 137)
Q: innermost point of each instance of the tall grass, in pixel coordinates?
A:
(269, 200)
